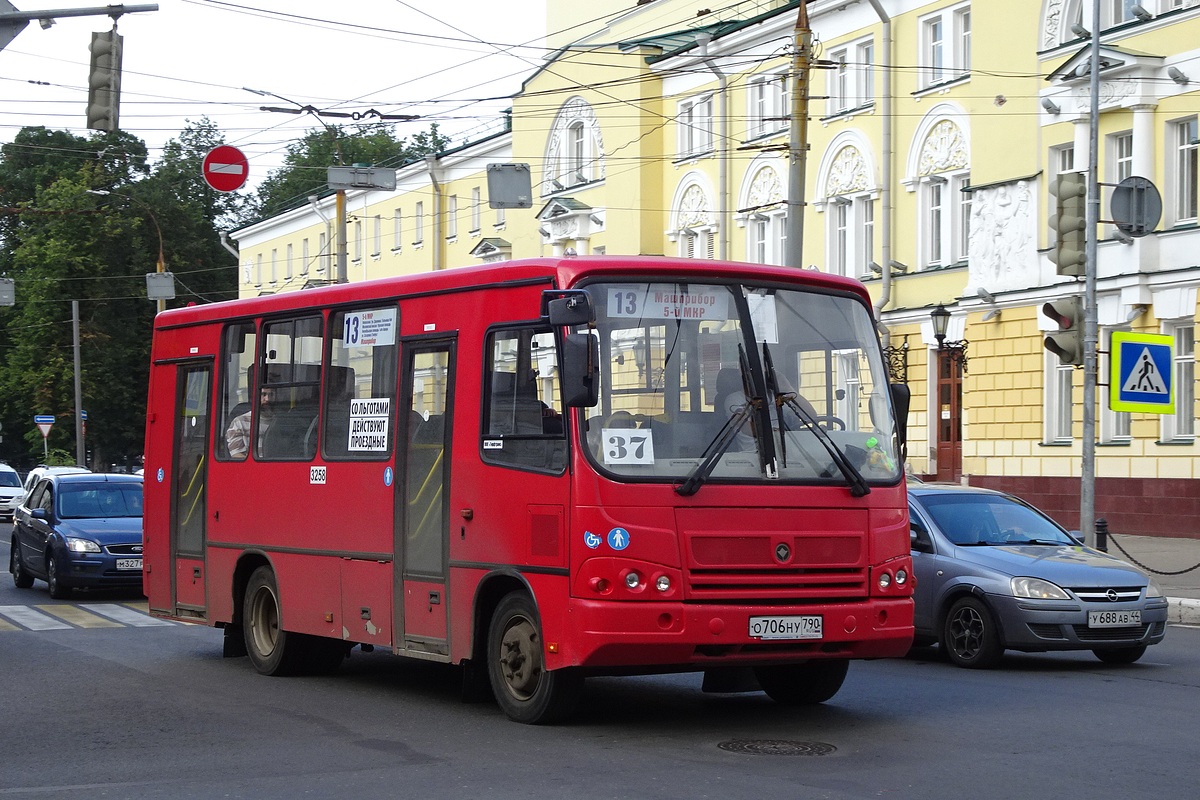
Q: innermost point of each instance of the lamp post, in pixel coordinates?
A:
(957, 348)
(161, 266)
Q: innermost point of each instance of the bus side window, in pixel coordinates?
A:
(521, 401)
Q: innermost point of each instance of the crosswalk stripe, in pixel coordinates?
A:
(77, 616)
(124, 615)
(32, 619)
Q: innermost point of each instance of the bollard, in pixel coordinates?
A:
(1102, 535)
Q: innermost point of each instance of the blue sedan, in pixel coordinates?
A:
(79, 531)
(994, 573)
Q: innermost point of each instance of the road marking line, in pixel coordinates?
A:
(5, 625)
(32, 620)
(77, 616)
(126, 616)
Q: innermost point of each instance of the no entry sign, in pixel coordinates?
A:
(226, 168)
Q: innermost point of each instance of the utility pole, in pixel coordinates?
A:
(1091, 336)
(798, 143)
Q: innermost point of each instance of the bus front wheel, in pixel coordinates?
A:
(525, 690)
(272, 650)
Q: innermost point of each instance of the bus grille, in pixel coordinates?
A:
(775, 584)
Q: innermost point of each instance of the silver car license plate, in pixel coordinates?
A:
(129, 563)
(809, 626)
(1114, 619)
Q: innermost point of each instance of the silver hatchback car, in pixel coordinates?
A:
(994, 573)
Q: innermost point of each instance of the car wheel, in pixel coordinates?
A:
(1121, 655)
(57, 590)
(21, 578)
(272, 650)
(970, 635)
(525, 690)
(803, 684)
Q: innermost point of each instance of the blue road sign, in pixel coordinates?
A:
(43, 419)
(1140, 375)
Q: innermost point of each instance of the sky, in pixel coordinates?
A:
(448, 61)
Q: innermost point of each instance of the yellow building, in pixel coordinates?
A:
(935, 131)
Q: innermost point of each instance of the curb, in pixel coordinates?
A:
(1183, 611)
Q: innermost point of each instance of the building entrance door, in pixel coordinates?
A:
(949, 414)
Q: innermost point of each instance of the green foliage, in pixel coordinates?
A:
(90, 220)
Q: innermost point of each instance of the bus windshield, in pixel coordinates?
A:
(733, 382)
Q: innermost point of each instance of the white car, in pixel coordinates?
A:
(11, 491)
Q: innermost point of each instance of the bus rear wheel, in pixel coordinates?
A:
(803, 684)
(524, 689)
(272, 650)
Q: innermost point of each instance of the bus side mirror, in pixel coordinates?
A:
(568, 307)
(901, 399)
(580, 370)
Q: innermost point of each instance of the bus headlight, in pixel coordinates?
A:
(901, 577)
(632, 579)
(662, 583)
(885, 580)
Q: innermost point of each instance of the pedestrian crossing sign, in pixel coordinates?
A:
(1140, 373)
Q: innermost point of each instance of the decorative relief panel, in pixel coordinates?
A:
(1003, 241)
(944, 149)
(848, 173)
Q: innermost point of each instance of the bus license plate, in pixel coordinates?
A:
(804, 627)
(1114, 619)
(129, 563)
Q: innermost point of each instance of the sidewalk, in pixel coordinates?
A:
(1158, 554)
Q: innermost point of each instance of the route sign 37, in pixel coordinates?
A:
(1140, 373)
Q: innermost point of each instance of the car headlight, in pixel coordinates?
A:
(82, 546)
(1153, 589)
(1037, 589)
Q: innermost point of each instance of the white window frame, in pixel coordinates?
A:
(1114, 425)
(766, 235)
(452, 217)
(1059, 401)
(766, 110)
(851, 234)
(945, 218)
(1181, 426)
(304, 256)
(358, 241)
(397, 230)
(1120, 153)
(322, 252)
(695, 126)
(376, 236)
(287, 263)
(274, 266)
(419, 224)
(476, 203)
(945, 46)
(1183, 170)
(852, 82)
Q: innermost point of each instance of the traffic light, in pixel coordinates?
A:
(1067, 342)
(1069, 223)
(104, 82)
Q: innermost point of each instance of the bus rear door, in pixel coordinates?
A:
(188, 486)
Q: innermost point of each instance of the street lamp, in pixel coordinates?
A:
(957, 348)
(161, 267)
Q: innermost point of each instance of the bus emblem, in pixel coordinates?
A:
(782, 552)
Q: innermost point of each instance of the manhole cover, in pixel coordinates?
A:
(777, 747)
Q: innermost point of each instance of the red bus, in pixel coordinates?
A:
(537, 471)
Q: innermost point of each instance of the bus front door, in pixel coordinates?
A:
(188, 489)
(423, 519)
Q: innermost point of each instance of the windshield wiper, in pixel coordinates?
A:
(858, 484)
(724, 438)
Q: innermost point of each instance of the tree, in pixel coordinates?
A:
(307, 161)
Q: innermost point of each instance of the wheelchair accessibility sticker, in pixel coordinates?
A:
(617, 538)
(591, 540)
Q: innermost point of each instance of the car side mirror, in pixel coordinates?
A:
(39, 513)
(918, 539)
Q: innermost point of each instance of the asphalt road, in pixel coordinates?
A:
(128, 711)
